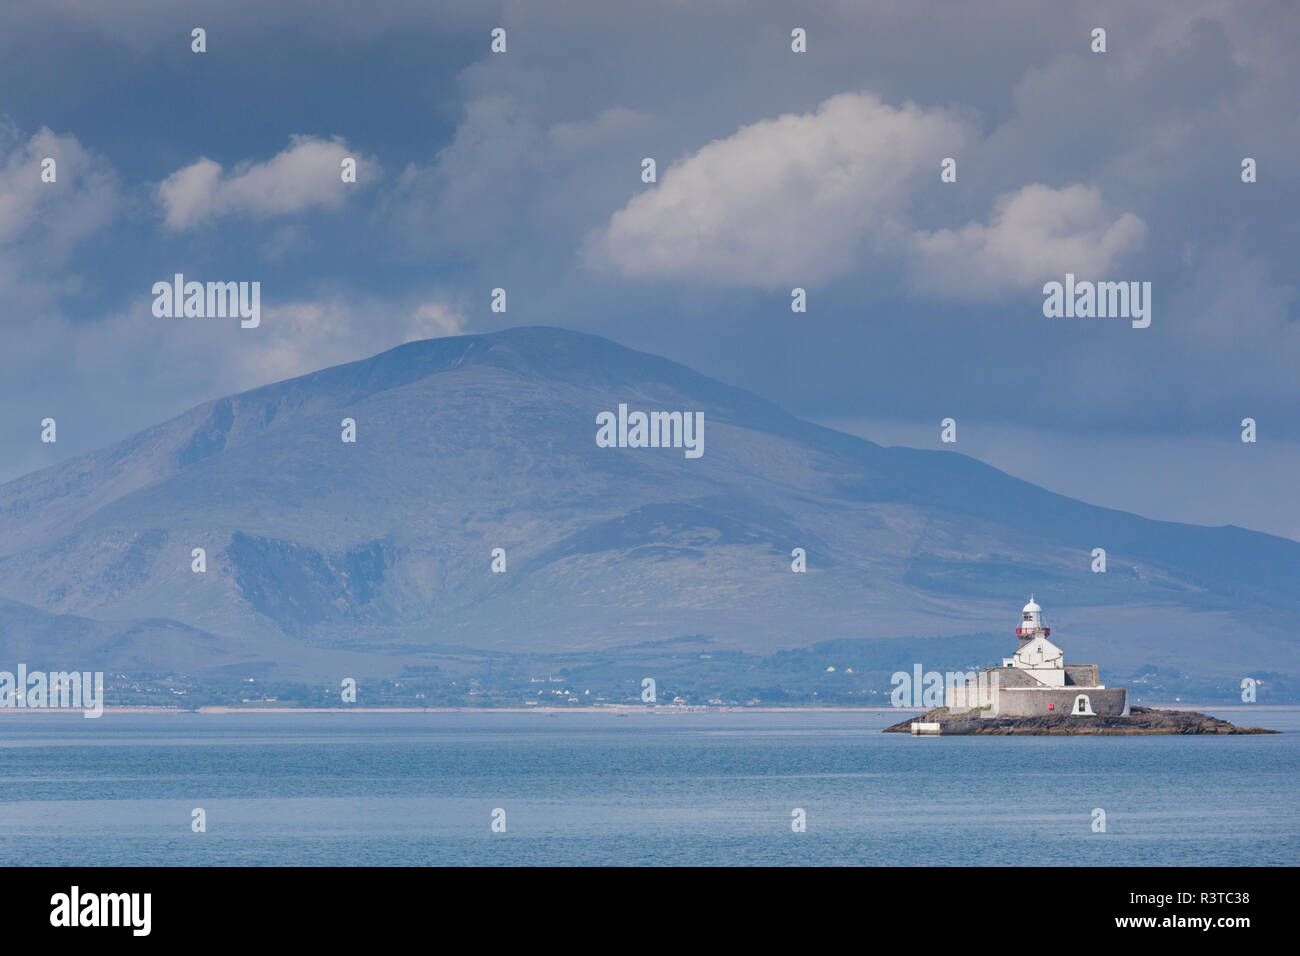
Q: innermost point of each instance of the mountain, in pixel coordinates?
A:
(376, 554)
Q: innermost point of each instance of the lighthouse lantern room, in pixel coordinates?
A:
(1031, 622)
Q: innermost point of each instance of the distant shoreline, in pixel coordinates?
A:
(617, 710)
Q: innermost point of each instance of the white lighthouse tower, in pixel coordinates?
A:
(1036, 652)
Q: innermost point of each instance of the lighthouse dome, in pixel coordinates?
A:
(1031, 620)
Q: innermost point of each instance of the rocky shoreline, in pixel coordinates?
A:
(1141, 720)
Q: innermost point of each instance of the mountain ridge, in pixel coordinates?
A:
(473, 442)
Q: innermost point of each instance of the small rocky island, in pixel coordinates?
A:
(1140, 720)
(1036, 692)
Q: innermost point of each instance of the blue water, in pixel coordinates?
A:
(417, 789)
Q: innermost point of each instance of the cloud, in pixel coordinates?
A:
(304, 336)
(785, 199)
(41, 227)
(1033, 233)
(301, 177)
(43, 223)
(505, 178)
(814, 196)
(82, 199)
(435, 320)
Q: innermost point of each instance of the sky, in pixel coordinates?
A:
(775, 169)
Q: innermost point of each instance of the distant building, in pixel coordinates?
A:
(1036, 681)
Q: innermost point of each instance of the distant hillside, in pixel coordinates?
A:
(377, 554)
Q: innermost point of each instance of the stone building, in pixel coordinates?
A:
(1036, 681)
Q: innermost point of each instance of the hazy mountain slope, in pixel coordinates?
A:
(470, 443)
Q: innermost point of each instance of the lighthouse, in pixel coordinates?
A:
(1036, 681)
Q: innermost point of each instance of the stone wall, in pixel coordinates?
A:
(1085, 674)
(1033, 701)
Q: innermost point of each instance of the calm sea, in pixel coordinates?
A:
(419, 789)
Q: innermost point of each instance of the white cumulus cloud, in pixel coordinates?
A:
(1033, 233)
(303, 176)
(808, 197)
(783, 199)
